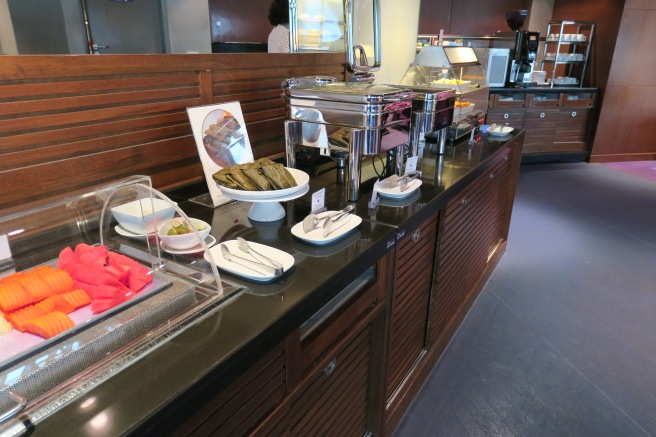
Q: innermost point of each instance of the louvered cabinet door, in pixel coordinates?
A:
(414, 260)
(335, 400)
(245, 403)
(473, 227)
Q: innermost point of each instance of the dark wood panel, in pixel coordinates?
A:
(244, 22)
(468, 17)
(626, 127)
(515, 117)
(70, 125)
(473, 17)
(330, 397)
(413, 272)
(325, 338)
(435, 15)
(243, 404)
(471, 231)
(573, 125)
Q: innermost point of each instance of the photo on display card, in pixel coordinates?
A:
(222, 141)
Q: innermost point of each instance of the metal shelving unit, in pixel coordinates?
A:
(570, 42)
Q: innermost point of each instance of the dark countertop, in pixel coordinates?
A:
(544, 89)
(218, 347)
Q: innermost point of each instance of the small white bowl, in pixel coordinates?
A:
(143, 217)
(183, 241)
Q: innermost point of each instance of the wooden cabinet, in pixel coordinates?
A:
(243, 405)
(556, 123)
(335, 366)
(473, 226)
(472, 231)
(514, 117)
(572, 129)
(413, 271)
(355, 366)
(540, 125)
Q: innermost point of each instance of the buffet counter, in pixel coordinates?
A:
(178, 386)
(558, 121)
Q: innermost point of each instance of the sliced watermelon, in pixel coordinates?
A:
(101, 305)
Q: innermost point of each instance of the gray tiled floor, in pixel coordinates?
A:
(562, 340)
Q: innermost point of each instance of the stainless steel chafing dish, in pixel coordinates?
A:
(432, 112)
(353, 120)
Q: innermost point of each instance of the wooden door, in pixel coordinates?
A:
(415, 257)
(239, 21)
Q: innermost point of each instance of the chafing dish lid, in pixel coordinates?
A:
(432, 99)
(350, 92)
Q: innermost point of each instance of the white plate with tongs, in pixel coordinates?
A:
(250, 260)
(397, 187)
(327, 227)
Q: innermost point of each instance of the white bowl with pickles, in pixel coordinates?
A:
(177, 233)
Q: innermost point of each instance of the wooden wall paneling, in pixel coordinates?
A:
(472, 17)
(626, 126)
(468, 17)
(240, 21)
(634, 63)
(625, 130)
(435, 15)
(93, 119)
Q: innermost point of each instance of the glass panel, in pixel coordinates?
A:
(320, 25)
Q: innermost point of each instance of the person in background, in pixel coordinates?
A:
(279, 19)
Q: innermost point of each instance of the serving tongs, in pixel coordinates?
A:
(403, 182)
(255, 266)
(312, 222)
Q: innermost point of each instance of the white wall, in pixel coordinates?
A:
(7, 38)
(399, 26)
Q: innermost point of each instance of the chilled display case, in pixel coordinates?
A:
(456, 68)
(317, 25)
(135, 296)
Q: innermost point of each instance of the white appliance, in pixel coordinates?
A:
(496, 62)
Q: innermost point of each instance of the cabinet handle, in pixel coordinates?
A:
(506, 116)
(330, 368)
(464, 201)
(573, 113)
(415, 235)
(542, 114)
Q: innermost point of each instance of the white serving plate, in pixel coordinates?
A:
(302, 179)
(209, 242)
(283, 258)
(18, 344)
(120, 230)
(396, 193)
(506, 130)
(316, 237)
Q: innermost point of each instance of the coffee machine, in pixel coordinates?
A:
(523, 55)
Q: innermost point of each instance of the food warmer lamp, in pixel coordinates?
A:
(455, 68)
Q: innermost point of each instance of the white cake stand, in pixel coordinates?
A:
(266, 204)
(268, 209)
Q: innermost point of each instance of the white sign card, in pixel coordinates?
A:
(222, 141)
